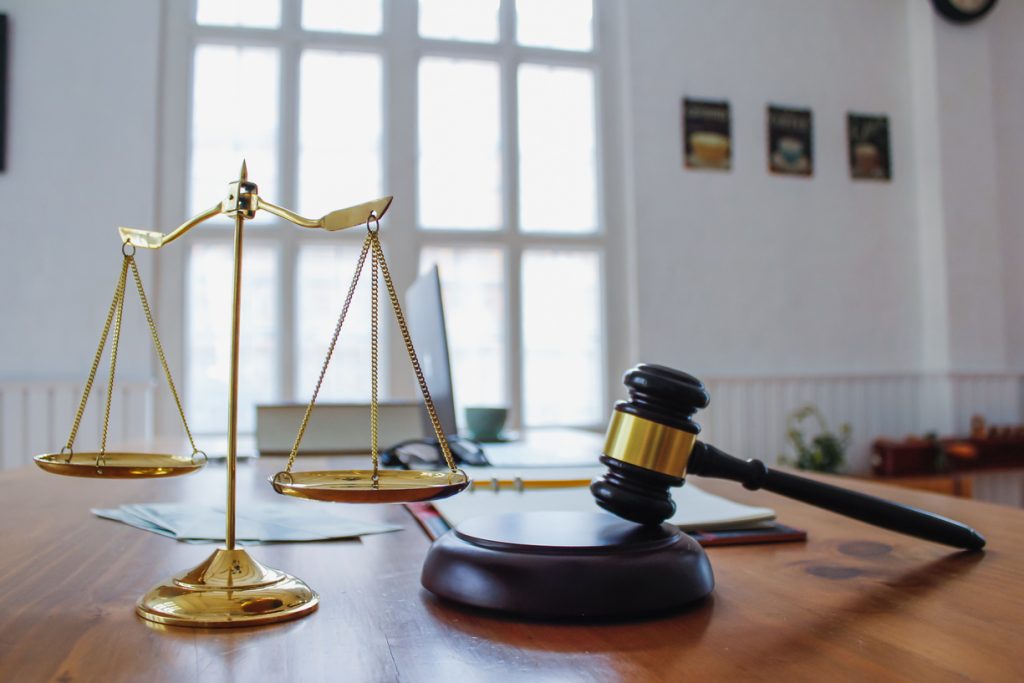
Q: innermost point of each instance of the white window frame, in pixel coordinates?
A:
(400, 48)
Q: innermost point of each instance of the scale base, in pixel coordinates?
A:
(568, 565)
(228, 589)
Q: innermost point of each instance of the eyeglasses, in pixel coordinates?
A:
(418, 453)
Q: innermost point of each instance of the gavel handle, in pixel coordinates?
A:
(708, 461)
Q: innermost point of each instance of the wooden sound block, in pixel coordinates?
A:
(567, 565)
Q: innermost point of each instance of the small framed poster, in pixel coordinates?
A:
(868, 139)
(790, 141)
(707, 134)
(3, 92)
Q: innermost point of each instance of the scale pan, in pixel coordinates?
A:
(357, 486)
(120, 465)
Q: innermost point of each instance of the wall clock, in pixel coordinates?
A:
(963, 11)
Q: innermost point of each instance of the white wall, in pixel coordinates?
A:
(969, 191)
(1007, 61)
(762, 278)
(739, 276)
(82, 123)
(751, 273)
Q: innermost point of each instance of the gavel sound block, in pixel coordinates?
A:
(572, 564)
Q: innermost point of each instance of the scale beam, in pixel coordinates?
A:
(351, 217)
(243, 198)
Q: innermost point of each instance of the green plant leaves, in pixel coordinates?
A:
(826, 451)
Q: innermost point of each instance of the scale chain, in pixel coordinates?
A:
(378, 263)
(114, 319)
(114, 345)
(330, 352)
(160, 351)
(407, 339)
(118, 293)
(374, 352)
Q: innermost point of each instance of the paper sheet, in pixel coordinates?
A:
(254, 523)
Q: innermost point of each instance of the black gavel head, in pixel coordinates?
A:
(650, 438)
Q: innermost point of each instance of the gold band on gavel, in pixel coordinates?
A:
(648, 444)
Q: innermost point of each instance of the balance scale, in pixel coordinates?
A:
(230, 587)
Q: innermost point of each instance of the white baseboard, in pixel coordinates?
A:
(36, 417)
(747, 416)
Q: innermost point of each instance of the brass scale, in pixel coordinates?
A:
(230, 588)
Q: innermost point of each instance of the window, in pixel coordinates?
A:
(480, 116)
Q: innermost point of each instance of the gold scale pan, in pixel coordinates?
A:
(121, 465)
(230, 588)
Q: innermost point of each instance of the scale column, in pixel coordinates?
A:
(236, 315)
(241, 204)
(232, 387)
(229, 588)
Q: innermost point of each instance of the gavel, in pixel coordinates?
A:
(652, 445)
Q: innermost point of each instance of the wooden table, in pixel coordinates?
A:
(852, 604)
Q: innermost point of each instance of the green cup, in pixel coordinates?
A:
(485, 423)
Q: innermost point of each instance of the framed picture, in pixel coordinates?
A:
(868, 141)
(707, 135)
(790, 141)
(3, 92)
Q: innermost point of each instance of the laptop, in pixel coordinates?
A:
(424, 309)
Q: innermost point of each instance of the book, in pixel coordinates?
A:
(695, 508)
(435, 526)
(334, 428)
(496, 490)
(771, 532)
(710, 519)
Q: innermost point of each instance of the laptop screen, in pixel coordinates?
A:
(425, 312)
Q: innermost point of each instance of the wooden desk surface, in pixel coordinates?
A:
(853, 603)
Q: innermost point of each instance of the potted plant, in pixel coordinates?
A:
(822, 452)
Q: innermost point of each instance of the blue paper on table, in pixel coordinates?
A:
(254, 522)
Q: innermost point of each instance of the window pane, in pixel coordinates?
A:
(557, 150)
(324, 273)
(339, 139)
(475, 20)
(473, 285)
(561, 24)
(232, 121)
(250, 13)
(208, 341)
(562, 368)
(349, 16)
(459, 144)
